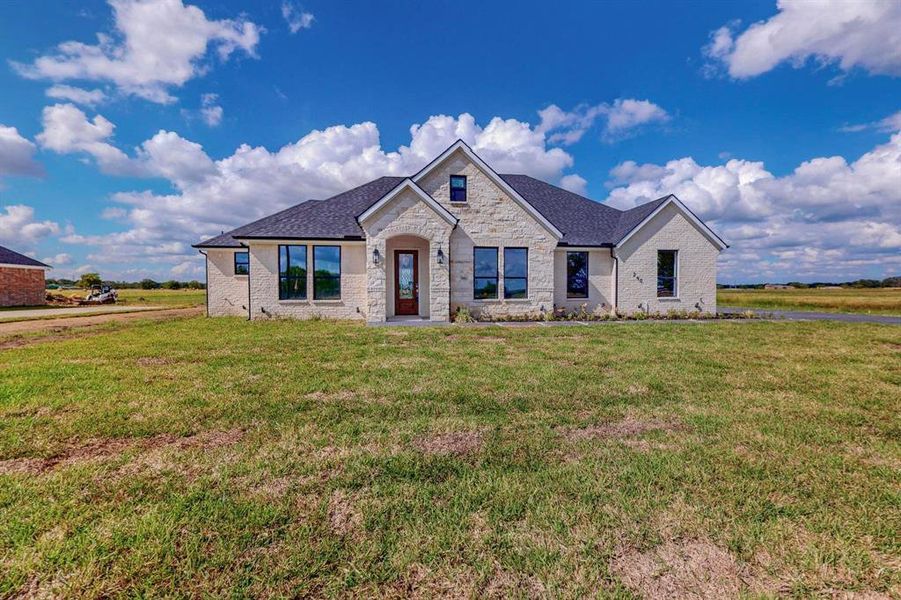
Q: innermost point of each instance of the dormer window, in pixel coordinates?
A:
(458, 188)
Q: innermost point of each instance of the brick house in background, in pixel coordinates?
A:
(458, 235)
(21, 279)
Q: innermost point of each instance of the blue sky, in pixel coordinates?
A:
(777, 124)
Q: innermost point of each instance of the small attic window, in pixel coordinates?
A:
(458, 188)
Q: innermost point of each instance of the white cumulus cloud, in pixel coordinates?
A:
(620, 119)
(18, 227)
(156, 45)
(76, 94)
(296, 18)
(214, 195)
(17, 154)
(59, 260)
(828, 219)
(852, 34)
(210, 111)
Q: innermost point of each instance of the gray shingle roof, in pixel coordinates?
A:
(334, 218)
(11, 257)
(583, 222)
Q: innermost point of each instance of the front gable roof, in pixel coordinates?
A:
(461, 146)
(408, 184)
(658, 206)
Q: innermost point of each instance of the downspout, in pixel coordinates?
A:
(615, 279)
(450, 315)
(248, 279)
(206, 280)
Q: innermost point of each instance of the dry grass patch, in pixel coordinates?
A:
(683, 569)
(456, 443)
(100, 449)
(343, 516)
(509, 584)
(627, 427)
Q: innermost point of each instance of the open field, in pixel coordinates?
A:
(225, 457)
(882, 301)
(173, 298)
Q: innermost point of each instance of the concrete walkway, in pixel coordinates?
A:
(803, 315)
(41, 313)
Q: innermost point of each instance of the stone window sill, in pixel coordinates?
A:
(668, 299)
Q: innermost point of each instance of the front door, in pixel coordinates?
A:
(406, 282)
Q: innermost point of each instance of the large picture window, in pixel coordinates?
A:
(326, 272)
(576, 274)
(242, 263)
(516, 272)
(666, 274)
(292, 272)
(484, 280)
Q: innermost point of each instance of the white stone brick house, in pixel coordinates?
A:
(457, 234)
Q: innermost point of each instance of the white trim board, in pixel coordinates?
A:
(497, 179)
(672, 200)
(408, 184)
(12, 266)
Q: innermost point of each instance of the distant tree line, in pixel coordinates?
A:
(88, 279)
(888, 282)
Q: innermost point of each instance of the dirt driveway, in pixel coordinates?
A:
(64, 323)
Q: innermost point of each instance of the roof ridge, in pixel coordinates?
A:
(564, 190)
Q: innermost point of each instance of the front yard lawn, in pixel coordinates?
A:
(220, 457)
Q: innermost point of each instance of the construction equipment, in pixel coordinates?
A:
(101, 294)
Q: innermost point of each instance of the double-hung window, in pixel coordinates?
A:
(326, 272)
(516, 272)
(458, 188)
(292, 272)
(576, 274)
(242, 263)
(484, 280)
(667, 274)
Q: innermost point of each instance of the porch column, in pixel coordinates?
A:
(376, 281)
(439, 279)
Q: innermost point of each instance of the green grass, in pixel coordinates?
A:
(169, 298)
(783, 454)
(882, 301)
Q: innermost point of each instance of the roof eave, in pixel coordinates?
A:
(348, 238)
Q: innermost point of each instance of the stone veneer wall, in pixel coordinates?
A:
(696, 259)
(20, 286)
(226, 292)
(407, 215)
(490, 217)
(264, 283)
(600, 281)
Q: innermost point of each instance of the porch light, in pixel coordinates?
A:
(376, 256)
(440, 256)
